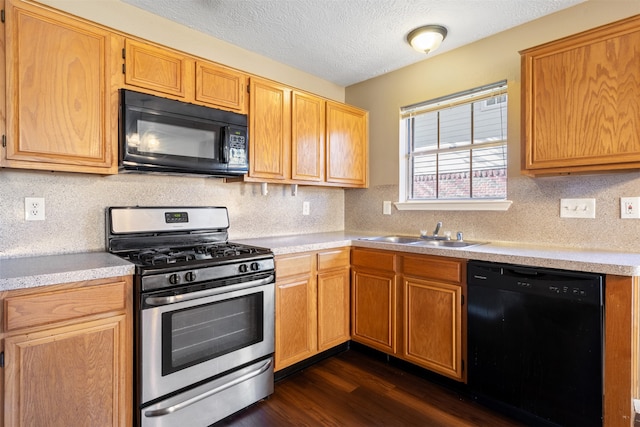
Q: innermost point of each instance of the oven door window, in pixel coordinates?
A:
(196, 334)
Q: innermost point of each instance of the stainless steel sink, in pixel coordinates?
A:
(394, 239)
(418, 241)
(447, 243)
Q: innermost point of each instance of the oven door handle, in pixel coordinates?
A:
(195, 399)
(158, 301)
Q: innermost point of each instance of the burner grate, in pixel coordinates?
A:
(162, 256)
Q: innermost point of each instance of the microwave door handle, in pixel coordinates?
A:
(224, 147)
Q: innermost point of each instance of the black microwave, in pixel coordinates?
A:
(168, 136)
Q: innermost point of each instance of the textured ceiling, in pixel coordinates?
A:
(347, 41)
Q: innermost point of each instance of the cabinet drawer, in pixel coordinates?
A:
(49, 307)
(333, 259)
(291, 265)
(436, 268)
(379, 260)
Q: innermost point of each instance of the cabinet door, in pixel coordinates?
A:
(347, 145)
(307, 137)
(157, 69)
(220, 86)
(580, 110)
(333, 308)
(62, 108)
(270, 131)
(373, 311)
(432, 326)
(69, 376)
(295, 320)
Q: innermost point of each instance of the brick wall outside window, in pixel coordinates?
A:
(487, 184)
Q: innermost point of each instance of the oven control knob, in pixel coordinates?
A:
(190, 276)
(243, 268)
(174, 279)
(255, 266)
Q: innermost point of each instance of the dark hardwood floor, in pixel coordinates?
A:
(356, 389)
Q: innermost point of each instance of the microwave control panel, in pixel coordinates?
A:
(237, 144)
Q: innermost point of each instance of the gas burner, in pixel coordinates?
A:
(161, 256)
(225, 250)
(215, 251)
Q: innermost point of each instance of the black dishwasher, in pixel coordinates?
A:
(535, 342)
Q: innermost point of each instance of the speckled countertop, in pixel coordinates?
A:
(17, 273)
(594, 260)
(30, 272)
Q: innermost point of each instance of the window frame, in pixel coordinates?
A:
(469, 204)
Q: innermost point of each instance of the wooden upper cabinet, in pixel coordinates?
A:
(269, 131)
(155, 68)
(580, 102)
(163, 71)
(220, 86)
(62, 105)
(347, 145)
(307, 137)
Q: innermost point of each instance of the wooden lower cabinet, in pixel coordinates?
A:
(333, 298)
(411, 306)
(432, 332)
(312, 304)
(433, 315)
(374, 299)
(295, 309)
(68, 354)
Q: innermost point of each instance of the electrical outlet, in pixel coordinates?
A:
(577, 208)
(34, 208)
(305, 208)
(386, 207)
(629, 207)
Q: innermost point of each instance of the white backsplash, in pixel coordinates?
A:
(75, 207)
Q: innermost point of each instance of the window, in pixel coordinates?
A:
(454, 148)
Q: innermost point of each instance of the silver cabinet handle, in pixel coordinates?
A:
(178, 406)
(156, 301)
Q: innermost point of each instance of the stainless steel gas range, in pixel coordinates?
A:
(204, 314)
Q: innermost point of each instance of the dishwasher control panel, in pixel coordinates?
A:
(572, 285)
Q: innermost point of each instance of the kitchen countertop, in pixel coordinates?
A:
(587, 260)
(30, 272)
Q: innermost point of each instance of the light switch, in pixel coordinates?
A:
(577, 208)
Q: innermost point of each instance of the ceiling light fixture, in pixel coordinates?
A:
(427, 39)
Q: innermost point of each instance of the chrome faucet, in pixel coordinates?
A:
(437, 230)
(435, 235)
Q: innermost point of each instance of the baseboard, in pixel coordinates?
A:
(283, 373)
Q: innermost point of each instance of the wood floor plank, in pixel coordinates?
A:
(355, 389)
